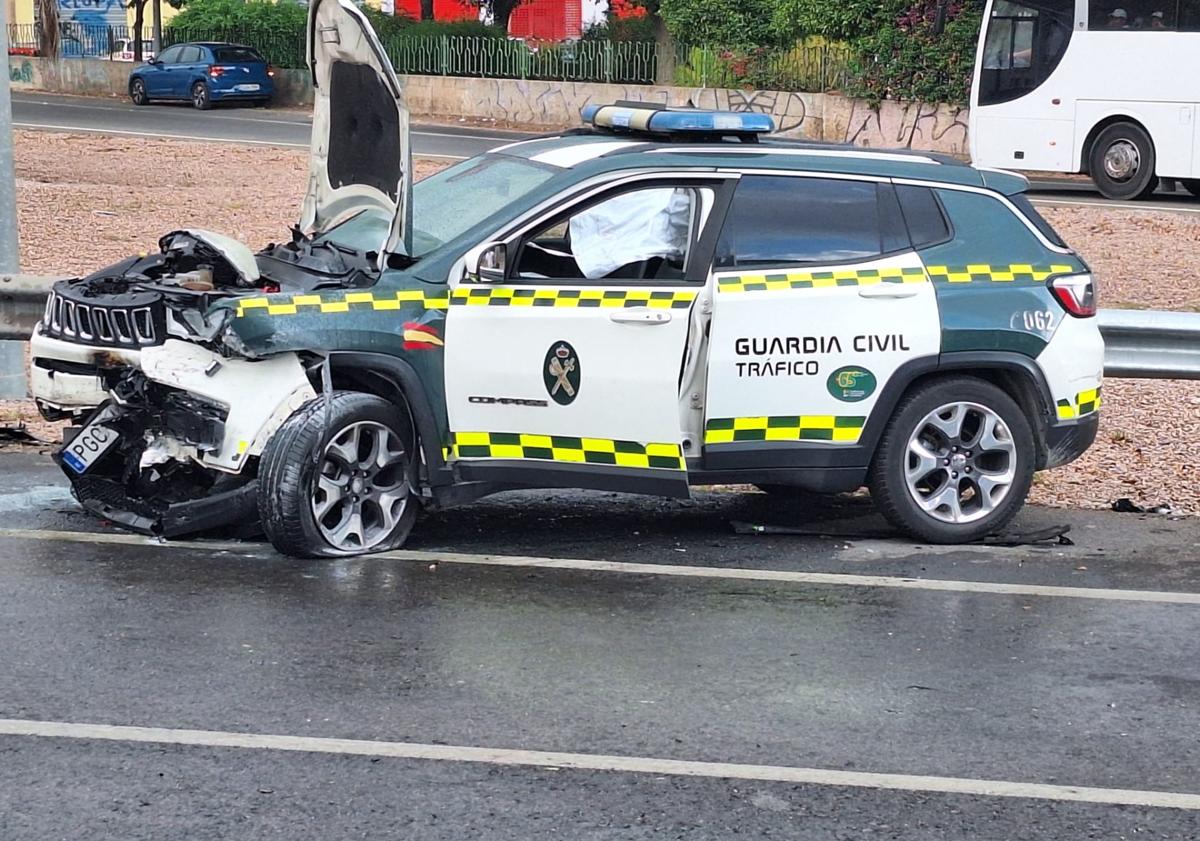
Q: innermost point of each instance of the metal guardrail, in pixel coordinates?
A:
(1151, 344)
(22, 301)
(1138, 344)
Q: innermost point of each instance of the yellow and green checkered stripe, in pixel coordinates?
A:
(775, 281)
(984, 272)
(563, 449)
(549, 296)
(837, 428)
(345, 302)
(1084, 403)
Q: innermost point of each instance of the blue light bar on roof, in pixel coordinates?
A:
(658, 119)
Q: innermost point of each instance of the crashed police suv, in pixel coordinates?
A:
(660, 299)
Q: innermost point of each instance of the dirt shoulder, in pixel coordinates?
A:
(87, 200)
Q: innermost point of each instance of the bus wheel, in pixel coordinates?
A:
(1122, 162)
(1192, 185)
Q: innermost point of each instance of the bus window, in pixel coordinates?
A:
(1189, 15)
(1136, 15)
(1025, 41)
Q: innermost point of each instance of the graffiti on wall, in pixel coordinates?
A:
(909, 125)
(22, 74)
(92, 12)
(826, 117)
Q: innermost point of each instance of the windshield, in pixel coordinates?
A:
(449, 204)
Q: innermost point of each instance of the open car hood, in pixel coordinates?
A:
(361, 158)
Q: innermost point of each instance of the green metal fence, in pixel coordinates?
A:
(630, 62)
(285, 49)
(799, 68)
(811, 68)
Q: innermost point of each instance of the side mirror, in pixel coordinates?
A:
(491, 263)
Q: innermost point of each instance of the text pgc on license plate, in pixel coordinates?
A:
(93, 441)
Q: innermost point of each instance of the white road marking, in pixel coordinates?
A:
(830, 579)
(158, 135)
(599, 762)
(198, 138)
(133, 109)
(1132, 206)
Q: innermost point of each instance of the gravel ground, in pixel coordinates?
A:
(88, 201)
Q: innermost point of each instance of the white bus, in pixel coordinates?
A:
(1106, 87)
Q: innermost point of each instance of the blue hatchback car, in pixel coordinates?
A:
(204, 73)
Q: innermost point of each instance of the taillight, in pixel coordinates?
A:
(270, 70)
(1076, 293)
(216, 70)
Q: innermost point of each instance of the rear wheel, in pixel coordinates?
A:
(339, 482)
(137, 92)
(1122, 162)
(201, 98)
(955, 463)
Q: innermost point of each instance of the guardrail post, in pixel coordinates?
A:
(12, 354)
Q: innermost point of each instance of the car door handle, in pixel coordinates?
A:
(640, 315)
(888, 290)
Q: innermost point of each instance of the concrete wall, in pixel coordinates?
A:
(813, 116)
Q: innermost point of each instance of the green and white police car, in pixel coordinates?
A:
(661, 299)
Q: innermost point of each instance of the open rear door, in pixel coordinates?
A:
(361, 158)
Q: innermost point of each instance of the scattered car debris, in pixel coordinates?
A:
(1125, 505)
(1056, 534)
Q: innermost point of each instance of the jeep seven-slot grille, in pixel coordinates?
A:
(138, 321)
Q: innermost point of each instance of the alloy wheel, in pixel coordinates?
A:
(361, 489)
(960, 463)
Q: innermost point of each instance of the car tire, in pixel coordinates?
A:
(1192, 185)
(932, 482)
(137, 92)
(338, 478)
(201, 97)
(1122, 162)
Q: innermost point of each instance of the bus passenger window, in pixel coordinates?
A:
(1189, 16)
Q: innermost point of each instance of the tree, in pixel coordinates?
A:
(47, 15)
(139, 21)
(726, 23)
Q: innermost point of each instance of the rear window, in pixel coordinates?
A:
(235, 55)
(923, 215)
(1030, 212)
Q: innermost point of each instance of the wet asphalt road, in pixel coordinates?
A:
(291, 128)
(954, 683)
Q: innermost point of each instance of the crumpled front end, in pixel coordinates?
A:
(175, 448)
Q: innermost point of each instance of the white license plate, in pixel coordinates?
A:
(93, 441)
(247, 87)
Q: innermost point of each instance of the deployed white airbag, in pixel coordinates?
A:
(631, 228)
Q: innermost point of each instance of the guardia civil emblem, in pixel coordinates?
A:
(561, 373)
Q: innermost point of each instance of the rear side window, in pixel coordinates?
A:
(189, 55)
(1030, 212)
(780, 220)
(924, 216)
(236, 55)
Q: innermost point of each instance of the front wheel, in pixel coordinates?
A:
(338, 479)
(201, 98)
(1122, 162)
(955, 463)
(137, 92)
